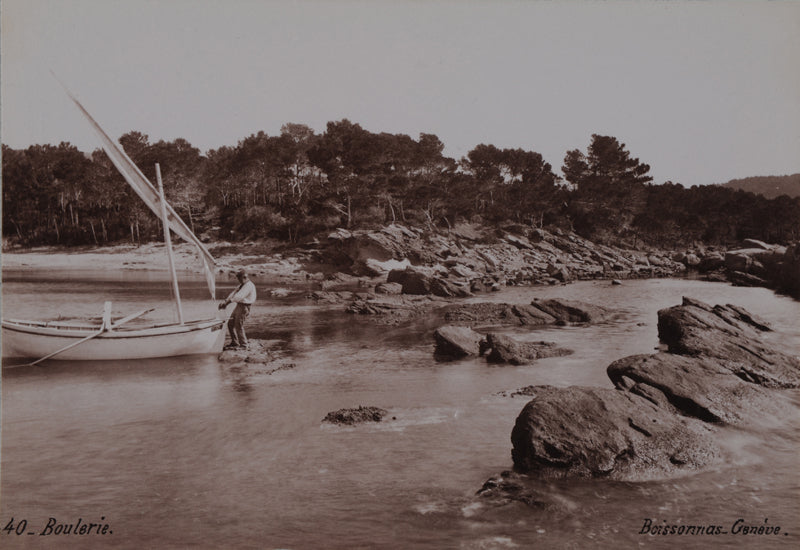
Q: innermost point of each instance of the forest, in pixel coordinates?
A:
(298, 185)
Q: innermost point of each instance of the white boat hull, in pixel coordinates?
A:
(38, 339)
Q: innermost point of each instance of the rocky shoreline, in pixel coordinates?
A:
(664, 417)
(455, 262)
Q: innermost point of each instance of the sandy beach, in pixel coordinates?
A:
(153, 256)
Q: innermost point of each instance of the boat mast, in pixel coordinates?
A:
(168, 242)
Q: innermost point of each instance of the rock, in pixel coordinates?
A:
(716, 277)
(356, 416)
(598, 432)
(338, 280)
(616, 282)
(377, 267)
(490, 313)
(390, 309)
(710, 262)
(505, 349)
(389, 288)
(519, 242)
(571, 311)
(539, 312)
(340, 235)
(462, 271)
(257, 352)
(697, 387)
(466, 231)
(477, 286)
(412, 281)
(456, 342)
(787, 272)
(740, 260)
(753, 243)
(739, 278)
(449, 289)
(691, 260)
(280, 292)
(730, 336)
(501, 490)
(559, 272)
(532, 315)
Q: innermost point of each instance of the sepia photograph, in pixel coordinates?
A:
(469, 275)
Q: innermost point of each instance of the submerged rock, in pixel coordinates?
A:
(504, 349)
(571, 311)
(538, 312)
(390, 309)
(258, 351)
(597, 432)
(484, 313)
(509, 486)
(358, 415)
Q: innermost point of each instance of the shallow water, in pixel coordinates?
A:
(186, 452)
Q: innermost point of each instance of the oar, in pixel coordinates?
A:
(131, 317)
(65, 348)
(106, 326)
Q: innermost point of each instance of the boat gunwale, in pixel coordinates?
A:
(37, 328)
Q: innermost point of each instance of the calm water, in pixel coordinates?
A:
(187, 452)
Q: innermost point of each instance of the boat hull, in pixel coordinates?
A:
(37, 339)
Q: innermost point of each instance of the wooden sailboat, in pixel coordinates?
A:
(112, 340)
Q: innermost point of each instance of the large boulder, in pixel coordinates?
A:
(732, 337)
(598, 432)
(741, 260)
(787, 271)
(710, 262)
(455, 342)
(559, 272)
(698, 387)
(412, 280)
(691, 260)
(449, 289)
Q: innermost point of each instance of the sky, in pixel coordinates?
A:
(702, 91)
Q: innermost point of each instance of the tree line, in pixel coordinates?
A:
(299, 184)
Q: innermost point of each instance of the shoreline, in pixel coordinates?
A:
(459, 261)
(150, 257)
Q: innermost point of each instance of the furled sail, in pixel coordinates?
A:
(148, 193)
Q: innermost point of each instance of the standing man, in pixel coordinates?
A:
(243, 297)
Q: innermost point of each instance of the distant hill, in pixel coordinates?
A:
(769, 186)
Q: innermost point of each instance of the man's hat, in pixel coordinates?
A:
(241, 273)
